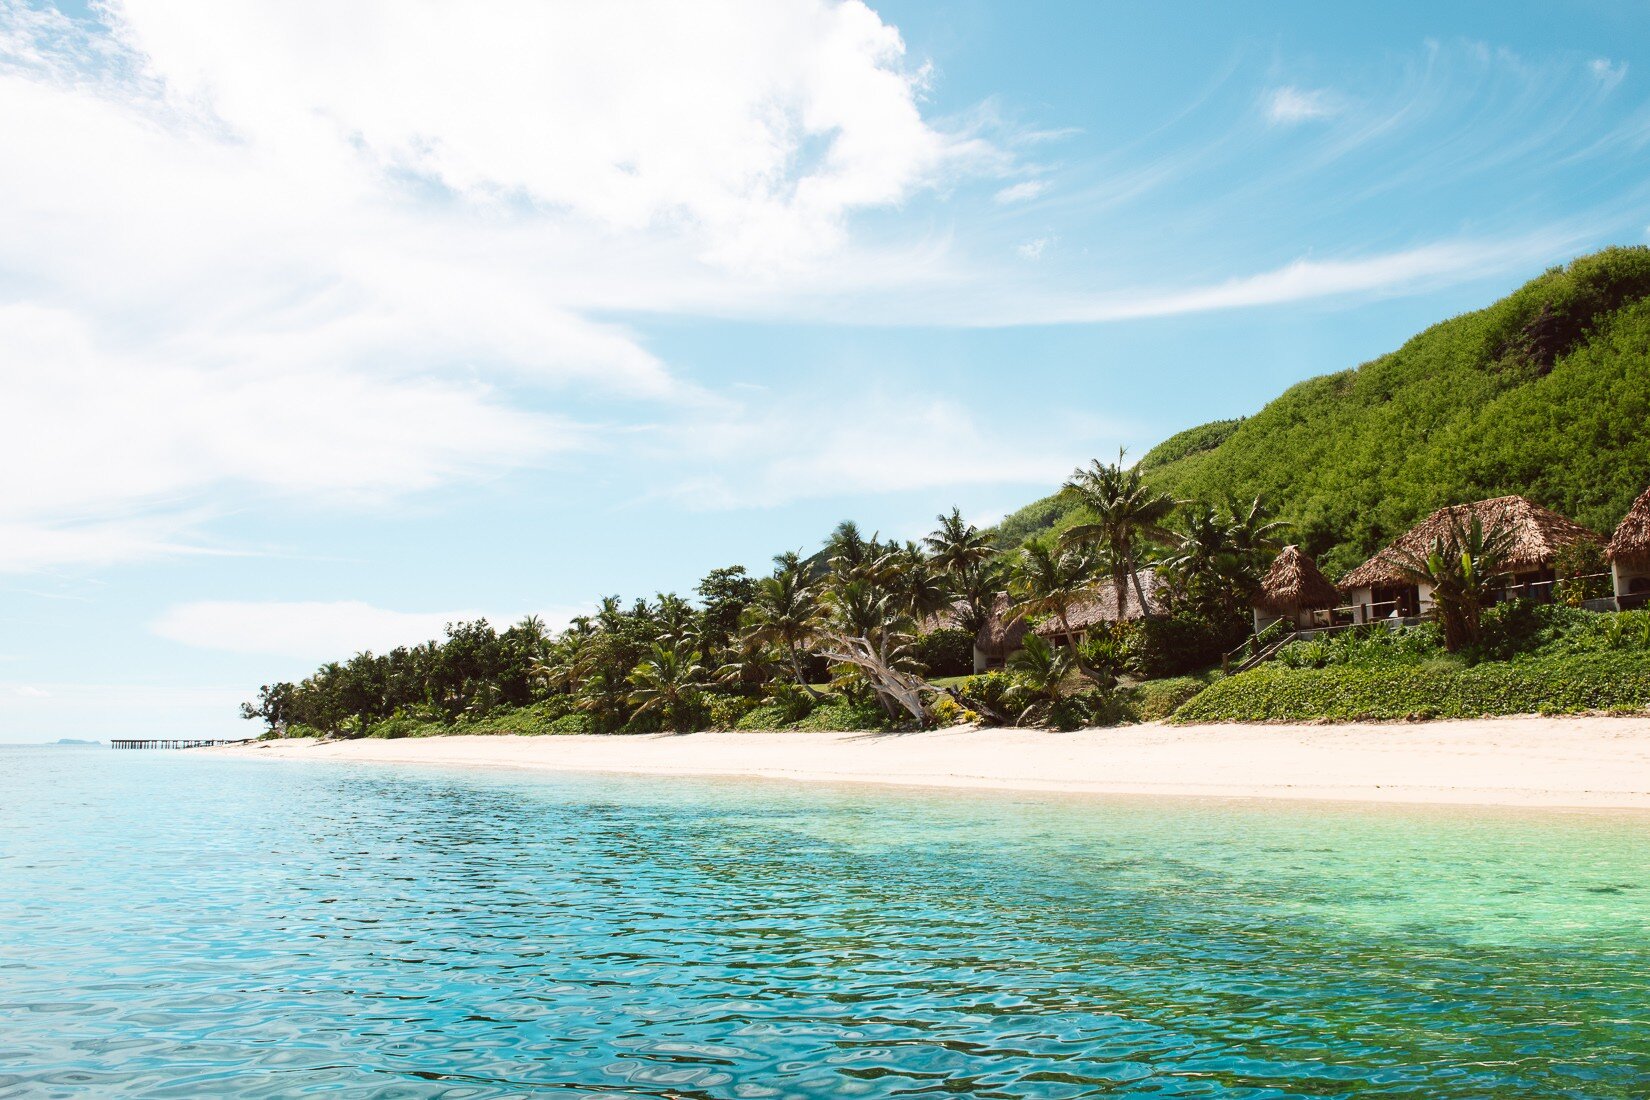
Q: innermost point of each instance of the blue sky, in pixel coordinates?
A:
(327, 325)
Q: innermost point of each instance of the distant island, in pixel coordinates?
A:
(1478, 497)
(74, 741)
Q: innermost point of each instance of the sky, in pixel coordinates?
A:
(324, 325)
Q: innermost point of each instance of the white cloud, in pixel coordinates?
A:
(341, 250)
(1021, 192)
(1301, 280)
(1289, 105)
(318, 630)
(877, 442)
(1033, 249)
(29, 691)
(1608, 73)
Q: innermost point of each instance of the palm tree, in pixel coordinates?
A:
(1126, 514)
(1045, 579)
(1464, 566)
(1041, 669)
(668, 682)
(957, 546)
(782, 615)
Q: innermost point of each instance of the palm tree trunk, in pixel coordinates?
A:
(1145, 608)
(802, 681)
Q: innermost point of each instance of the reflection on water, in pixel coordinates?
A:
(183, 925)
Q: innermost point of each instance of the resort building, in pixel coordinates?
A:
(1378, 589)
(1629, 556)
(995, 642)
(1295, 590)
(1099, 608)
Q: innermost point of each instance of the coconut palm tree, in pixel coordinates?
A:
(1041, 669)
(1465, 566)
(957, 546)
(1127, 514)
(1045, 579)
(781, 614)
(669, 682)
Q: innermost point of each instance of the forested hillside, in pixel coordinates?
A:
(1545, 393)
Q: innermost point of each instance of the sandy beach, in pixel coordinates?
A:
(1526, 761)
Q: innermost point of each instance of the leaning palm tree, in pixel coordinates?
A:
(1464, 566)
(1127, 514)
(956, 546)
(669, 682)
(1045, 579)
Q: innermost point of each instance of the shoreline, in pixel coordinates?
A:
(1530, 761)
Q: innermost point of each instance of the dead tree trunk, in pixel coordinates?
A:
(904, 689)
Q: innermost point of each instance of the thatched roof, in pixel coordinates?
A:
(1002, 634)
(999, 637)
(1102, 606)
(1538, 535)
(1631, 542)
(1295, 583)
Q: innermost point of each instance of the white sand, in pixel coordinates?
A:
(1530, 761)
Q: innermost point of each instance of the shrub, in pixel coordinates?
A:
(989, 693)
(1155, 700)
(945, 652)
(574, 722)
(724, 711)
(1437, 689)
(946, 711)
(1583, 574)
(844, 717)
(1180, 643)
(765, 717)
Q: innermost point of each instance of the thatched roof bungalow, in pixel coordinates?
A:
(1295, 589)
(1379, 589)
(996, 641)
(1629, 554)
(1099, 608)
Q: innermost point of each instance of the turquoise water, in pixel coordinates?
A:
(174, 924)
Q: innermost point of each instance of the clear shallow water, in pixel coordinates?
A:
(173, 924)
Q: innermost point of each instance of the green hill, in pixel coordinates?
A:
(1545, 393)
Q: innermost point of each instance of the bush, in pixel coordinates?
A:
(574, 722)
(1180, 643)
(946, 711)
(989, 692)
(844, 717)
(1155, 700)
(946, 652)
(1437, 689)
(723, 712)
(765, 717)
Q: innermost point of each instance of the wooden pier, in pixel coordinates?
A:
(175, 743)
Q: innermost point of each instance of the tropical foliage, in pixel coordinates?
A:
(1545, 393)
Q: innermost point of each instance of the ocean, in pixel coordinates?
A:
(186, 924)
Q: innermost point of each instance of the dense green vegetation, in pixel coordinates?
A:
(1546, 393)
(845, 640)
(1533, 659)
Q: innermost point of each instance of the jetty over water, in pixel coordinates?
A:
(175, 743)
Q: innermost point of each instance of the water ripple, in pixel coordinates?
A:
(180, 925)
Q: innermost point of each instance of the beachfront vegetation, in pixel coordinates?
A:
(853, 637)
(1545, 393)
(1530, 658)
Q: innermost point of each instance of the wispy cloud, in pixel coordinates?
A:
(319, 630)
(1289, 105)
(1024, 191)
